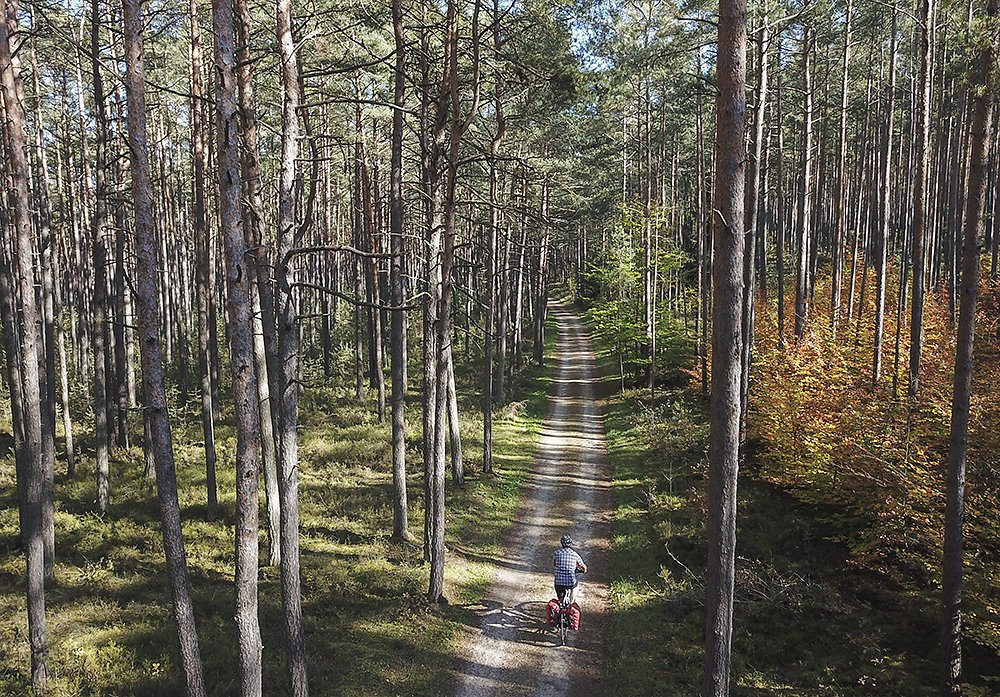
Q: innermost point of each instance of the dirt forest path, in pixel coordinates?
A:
(513, 652)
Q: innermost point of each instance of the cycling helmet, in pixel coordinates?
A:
(567, 541)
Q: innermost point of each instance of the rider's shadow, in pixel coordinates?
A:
(523, 623)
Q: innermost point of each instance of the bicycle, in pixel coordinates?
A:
(562, 618)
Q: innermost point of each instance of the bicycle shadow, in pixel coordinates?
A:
(523, 623)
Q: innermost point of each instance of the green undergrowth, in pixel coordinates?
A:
(808, 622)
(369, 627)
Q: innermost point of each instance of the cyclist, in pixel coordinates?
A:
(567, 563)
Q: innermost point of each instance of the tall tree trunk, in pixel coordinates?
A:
(840, 231)
(120, 392)
(726, 344)
(46, 355)
(447, 136)
(240, 330)
(704, 277)
(202, 241)
(489, 256)
(30, 338)
(64, 378)
(100, 302)
(503, 318)
(779, 206)
(288, 454)
(396, 222)
(152, 362)
(750, 228)
(261, 293)
(882, 239)
(923, 109)
(805, 197)
(951, 578)
(543, 278)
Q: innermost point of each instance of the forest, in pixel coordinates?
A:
(297, 304)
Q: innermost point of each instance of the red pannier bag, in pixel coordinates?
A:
(574, 617)
(552, 612)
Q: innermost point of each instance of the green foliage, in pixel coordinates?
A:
(615, 296)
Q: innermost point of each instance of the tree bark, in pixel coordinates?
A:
(204, 271)
(543, 279)
(29, 335)
(920, 159)
(46, 355)
(152, 362)
(882, 240)
(240, 332)
(750, 228)
(726, 343)
(100, 301)
(400, 526)
(779, 206)
(703, 243)
(840, 231)
(288, 454)
(951, 579)
(805, 198)
(261, 293)
(489, 257)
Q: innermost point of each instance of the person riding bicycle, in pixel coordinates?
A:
(567, 563)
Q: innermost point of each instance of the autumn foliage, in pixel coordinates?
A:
(824, 432)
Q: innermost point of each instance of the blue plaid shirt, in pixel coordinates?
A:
(566, 562)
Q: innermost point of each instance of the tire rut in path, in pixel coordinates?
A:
(513, 652)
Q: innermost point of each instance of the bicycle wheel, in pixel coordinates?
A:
(563, 621)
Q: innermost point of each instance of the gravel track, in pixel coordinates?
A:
(513, 652)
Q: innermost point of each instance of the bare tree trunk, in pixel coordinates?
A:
(240, 330)
(288, 454)
(503, 319)
(543, 279)
(805, 199)
(882, 240)
(431, 183)
(726, 344)
(30, 339)
(204, 271)
(46, 355)
(152, 362)
(64, 377)
(841, 227)
(455, 433)
(779, 207)
(519, 300)
(490, 256)
(922, 108)
(750, 228)
(396, 213)
(704, 278)
(120, 392)
(263, 302)
(100, 302)
(951, 578)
